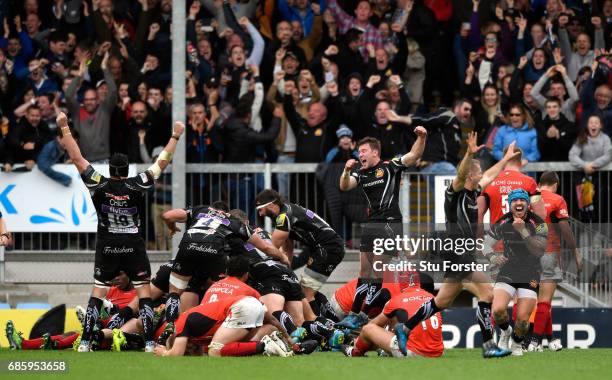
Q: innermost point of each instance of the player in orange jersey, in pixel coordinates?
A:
(557, 219)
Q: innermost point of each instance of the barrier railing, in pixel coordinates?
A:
(315, 187)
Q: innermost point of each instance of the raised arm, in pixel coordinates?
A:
(494, 170)
(164, 158)
(466, 163)
(410, 158)
(348, 182)
(70, 144)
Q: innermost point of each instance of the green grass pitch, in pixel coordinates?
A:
(455, 364)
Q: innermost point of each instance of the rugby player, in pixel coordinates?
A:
(281, 292)
(119, 244)
(425, 339)
(46, 342)
(461, 217)
(380, 182)
(557, 219)
(495, 197)
(292, 221)
(201, 252)
(232, 325)
(524, 235)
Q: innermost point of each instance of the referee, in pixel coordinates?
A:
(119, 245)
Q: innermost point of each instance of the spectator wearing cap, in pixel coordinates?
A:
(52, 153)
(363, 12)
(92, 119)
(345, 150)
(583, 56)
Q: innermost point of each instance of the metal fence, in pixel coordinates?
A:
(315, 187)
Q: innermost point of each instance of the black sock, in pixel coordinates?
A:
(537, 338)
(317, 330)
(146, 315)
(373, 292)
(285, 320)
(173, 306)
(549, 338)
(259, 348)
(360, 295)
(93, 313)
(504, 325)
(97, 336)
(134, 341)
(483, 316)
(120, 318)
(325, 308)
(426, 310)
(314, 305)
(516, 338)
(378, 302)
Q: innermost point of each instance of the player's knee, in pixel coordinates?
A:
(521, 326)
(500, 316)
(442, 302)
(368, 329)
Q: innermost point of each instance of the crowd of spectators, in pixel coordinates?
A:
(302, 80)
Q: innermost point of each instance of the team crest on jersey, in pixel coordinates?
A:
(533, 283)
(96, 177)
(280, 220)
(318, 132)
(379, 173)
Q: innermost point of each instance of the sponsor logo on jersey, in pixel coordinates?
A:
(118, 250)
(318, 132)
(541, 228)
(563, 212)
(374, 183)
(117, 197)
(280, 220)
(199, 248)
(379, 173)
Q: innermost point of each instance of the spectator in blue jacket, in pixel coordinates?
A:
(302, 11)
(53, 153)
(520, 129)
(19, 48)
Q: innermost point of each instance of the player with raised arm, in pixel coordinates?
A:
(201, 253)
(461, 217)
(380, 182)
(557, 219)
(119, 245)
(524, 235)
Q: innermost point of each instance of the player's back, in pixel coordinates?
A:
(206, 224)
(118, 202)
(556, 210)
(497, 192)
(226, 288)
(426, 338)
(306, 226)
